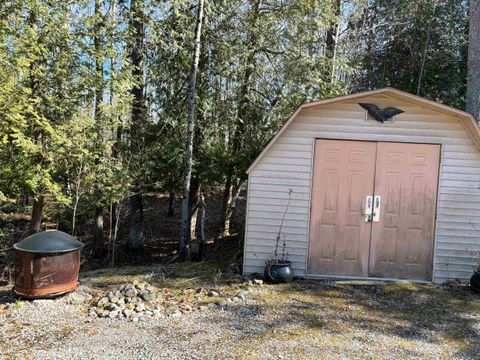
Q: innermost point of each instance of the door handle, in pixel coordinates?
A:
(377, 202)
(369, 209)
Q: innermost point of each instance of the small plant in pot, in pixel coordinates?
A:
(279, 269)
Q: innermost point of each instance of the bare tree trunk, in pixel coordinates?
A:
(74, 216)
(36, 220)
(76, 198)
(194, 201)
(185, 235)
(115, 232)
(228, 226)
(473, 77)
(203, 239)
(193, 222)
(98, 231)
(232, 208)
(226, 202)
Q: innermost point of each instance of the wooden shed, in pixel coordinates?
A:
(392, 200)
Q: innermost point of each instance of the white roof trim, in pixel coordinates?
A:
(467, 119)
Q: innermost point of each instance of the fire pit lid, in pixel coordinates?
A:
(50, 241)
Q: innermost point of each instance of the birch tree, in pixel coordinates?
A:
(185, 235)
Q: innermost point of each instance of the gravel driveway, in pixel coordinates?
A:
(302, 320)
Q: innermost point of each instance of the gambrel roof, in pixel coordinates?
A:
(467, 119)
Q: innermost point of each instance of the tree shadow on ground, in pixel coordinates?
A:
(399, 311)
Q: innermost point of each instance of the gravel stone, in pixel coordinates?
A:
(141, 286)
(140, 307)
(76, 298)
(130, 291)
(222, 303)
(241, 294)
(103, 301)
(103, 313)
(113, 307)
(42, 302)
(147, 296)
(176, 314)
(128, 313)
(113, 314)
(406, 322)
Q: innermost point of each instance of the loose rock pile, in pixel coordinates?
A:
(139, 301)
(135, 302)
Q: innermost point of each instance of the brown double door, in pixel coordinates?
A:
(373, 209)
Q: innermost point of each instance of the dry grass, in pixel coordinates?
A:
(314, 318)
(311, 319)
(395, 320)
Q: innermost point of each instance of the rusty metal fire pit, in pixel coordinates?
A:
(47, 264)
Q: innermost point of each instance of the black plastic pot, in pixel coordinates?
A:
(278, 272)
(475, 282)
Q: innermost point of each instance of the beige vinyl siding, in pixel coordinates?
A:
(288, 165)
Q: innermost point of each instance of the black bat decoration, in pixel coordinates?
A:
(380, 115)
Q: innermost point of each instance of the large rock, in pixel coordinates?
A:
(130, 291)
(102, 301)
(147, 296)
(75, 298)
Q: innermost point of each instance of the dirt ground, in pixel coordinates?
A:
(302, 320)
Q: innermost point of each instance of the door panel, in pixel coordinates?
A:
(402, 240)
(339, 236)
